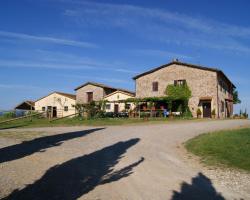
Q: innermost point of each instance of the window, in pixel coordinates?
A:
(127, 106)
(179, 82)
(221, 87)
(155, 86)
(108, 106)
(66, 108)
(222, 106)
(89, 96)
(43, 108)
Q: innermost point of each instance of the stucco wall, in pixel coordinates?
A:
(53, 100)
(81, 94)
(114, 98)
(202, 83)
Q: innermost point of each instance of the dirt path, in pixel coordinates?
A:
(120, 162)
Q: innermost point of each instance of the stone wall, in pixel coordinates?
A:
(225, 92)
(81, 93)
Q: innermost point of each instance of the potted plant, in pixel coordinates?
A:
(198, 113)
(213, 113)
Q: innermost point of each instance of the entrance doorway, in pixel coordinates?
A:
(54, 112)
(116, 109)
(206, 106)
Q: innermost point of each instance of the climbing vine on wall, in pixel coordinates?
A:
(180, 95)
(178, 92)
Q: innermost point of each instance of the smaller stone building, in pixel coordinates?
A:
(114, 101)
(91, 91)
(56, 104)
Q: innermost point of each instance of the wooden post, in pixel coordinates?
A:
(139, 110)
(31, 113)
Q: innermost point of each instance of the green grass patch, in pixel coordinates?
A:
(25, 123)
(228, 148)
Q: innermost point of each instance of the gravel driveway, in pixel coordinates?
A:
(139, 162)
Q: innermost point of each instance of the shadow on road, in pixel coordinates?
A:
(27, 148)
(200, 188)
(76, 177)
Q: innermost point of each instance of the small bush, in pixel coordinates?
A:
(213, 112)
(144, 114)
(198, 112)
(188, 114)
(9, 115)
(109, 114)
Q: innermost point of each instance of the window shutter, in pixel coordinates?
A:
(155, 86)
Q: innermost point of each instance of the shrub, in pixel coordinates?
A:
(109, 114)
(245, 115)
(144, 114)
(9, 115)
(213, 112)
(198, 112)
(187, 113)
(92, 109)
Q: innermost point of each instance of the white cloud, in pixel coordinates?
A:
(97, 78)
(122, 10)
(61, 60)
(161, 25)
(37, 64)
(47, 39)
(161, 53)
(19, 86)
(64, 65)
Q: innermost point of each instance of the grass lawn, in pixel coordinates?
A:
(228, 148)
(24, 123)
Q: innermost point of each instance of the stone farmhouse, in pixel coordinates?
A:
(212, 92)
(210, 87)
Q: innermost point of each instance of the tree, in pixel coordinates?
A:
(236, 99)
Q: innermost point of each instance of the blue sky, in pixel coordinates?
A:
(56, 45)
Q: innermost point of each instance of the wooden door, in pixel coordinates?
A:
(116, 110)
(206, 110)
(54, 113)
(89, 97)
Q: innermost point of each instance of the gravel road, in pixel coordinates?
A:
(135, 162)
